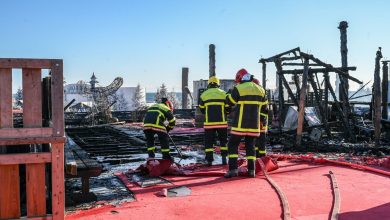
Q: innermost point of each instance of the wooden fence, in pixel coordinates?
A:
(35, 132)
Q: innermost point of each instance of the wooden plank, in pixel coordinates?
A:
(29, 158)
(9, 192)
(6, 98)
(57, 98)
(36, 190)
(47, 217)
(32, 98)
(26, 63)
(25, 132)
(31, 140)
(58, 192)
(9, 174)
(32, 118)
(301, 109)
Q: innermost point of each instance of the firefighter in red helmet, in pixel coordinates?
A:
(248, 97)
(154, 123)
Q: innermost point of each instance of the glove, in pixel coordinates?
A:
(169, 128)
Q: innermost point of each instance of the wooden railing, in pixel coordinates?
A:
(33, 133)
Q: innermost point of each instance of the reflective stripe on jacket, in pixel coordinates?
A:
(212, 104)
(248, 99)
(155, 117)
(264, 117)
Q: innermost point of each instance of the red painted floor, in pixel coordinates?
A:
(364, 195)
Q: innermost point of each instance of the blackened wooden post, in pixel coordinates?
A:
(377, 98)
(385, 89)
(280, 96)
(184, 84)
(211, 60)
(344, 62)
(302, 96)
(264, 68)
(326, 101)
(318, 99)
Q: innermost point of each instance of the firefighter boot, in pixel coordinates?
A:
(231, 173)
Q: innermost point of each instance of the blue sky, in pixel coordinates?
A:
(148, 42)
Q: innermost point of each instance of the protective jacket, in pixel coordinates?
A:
(249, 99)
(155, 117)
(212, 104)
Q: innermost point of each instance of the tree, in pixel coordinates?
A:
(120, 102)
(139, 99)
(19, 98)
(162, 92)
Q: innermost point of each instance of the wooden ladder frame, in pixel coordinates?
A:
(32, 133)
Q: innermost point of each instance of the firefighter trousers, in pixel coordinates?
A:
(164, 142)
(260, 145)
(209, 140)
(234, 142)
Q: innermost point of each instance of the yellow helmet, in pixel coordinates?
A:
(214, 80)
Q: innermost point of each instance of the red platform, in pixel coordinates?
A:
(364, 195)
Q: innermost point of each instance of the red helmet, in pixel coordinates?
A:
(169, 104)
(256, 81)
(240, 74)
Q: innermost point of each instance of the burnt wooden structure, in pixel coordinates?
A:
(211, 60)
(377, 98)
(38, 146)
(385, 89)
(321, 92)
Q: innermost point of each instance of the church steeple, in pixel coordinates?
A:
(93, 81)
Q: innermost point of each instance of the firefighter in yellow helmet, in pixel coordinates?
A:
(248, 97)
(212, 104)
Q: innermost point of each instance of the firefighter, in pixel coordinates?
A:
(154, 123)
(261, 140)
(248, 99)
(212, 104)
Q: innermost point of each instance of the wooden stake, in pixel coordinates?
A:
(301, 108)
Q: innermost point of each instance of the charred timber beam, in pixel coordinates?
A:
(359, 89)
(211, 60)
(184, 85)
(277, 56)
(290, 93)
(299, 64)
(344, 60)
(318, 100)
(328, 69)
(361, 96)
(331, 68)
(344, 119)
(326, 103)
(377, 98)
(301, 108)
(264, 69)
(385, 89)
(280, 95)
